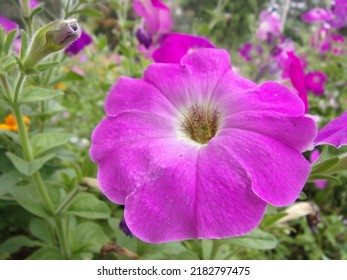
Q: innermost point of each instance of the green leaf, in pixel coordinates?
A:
(270, 220)
(28, 168)
(34, 94)
(69, 77)
(15, 243)
(325, 165)
(88, 206)
(11, 36)
(207, 247)
(256, 239)
(89, 236)
(89, 168)
(8, 181)
(43, 142)
(41, 230)
(46, 253)
(24, 44)
(89, 12)
(46, 66)
(186, 255)
(28, 198)
(340, 166)
(314, 177)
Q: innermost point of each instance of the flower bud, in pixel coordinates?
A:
(51, 38)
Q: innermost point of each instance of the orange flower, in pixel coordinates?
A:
(11, 124)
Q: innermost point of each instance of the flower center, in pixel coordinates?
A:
(200, 123)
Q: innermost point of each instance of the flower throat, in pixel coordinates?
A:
(200, 123)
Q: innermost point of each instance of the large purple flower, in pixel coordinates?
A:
(317, 15)
(194, 150)
(334, 133)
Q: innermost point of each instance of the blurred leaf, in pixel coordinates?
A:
(70, 76)
(88, 206)
(207, 247)
(90, 236)
(34, 94)
(15, 243)
(24, 44)
(11, 36)
(89, 12)
(314, 177)
(89, 168)
(28, 198)
(8, 181)
(325, 165)
(46, 66)
(256, 239)
(270, 220)
(28, 168)
(46, 253)
(41, 230)
(43, 142)
(187, 255)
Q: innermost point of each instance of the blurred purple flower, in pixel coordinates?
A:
(316, 15)
(33, 4)
(334, 133)
(269, 25)
(338, 44)
(173, 46)
(314, 156)
(315, 82)
(193, 150)
(7, 24)
(84, 40)
(297, 77)
(248, 51)
(336, 17)
(156, 20)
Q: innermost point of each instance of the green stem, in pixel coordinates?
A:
(18, 89)
(67, 201)
(64, 245)
(39, 184)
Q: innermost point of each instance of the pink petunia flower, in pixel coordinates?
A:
(7, 24)
(315, 82)
(193, 150)
(173, 46)
(156, 20)
(334, 133)
(316, 15)
(314, 156)
(269, 25)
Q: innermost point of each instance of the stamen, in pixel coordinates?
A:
(201, 123)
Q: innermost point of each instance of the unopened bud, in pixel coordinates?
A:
(51, 38)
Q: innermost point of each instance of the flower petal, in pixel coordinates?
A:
(134, 95)
(199, 196)
(278, 172)
(120, 148)
(191, 82)
(334, 133)
(235, 94)
(295, 132)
